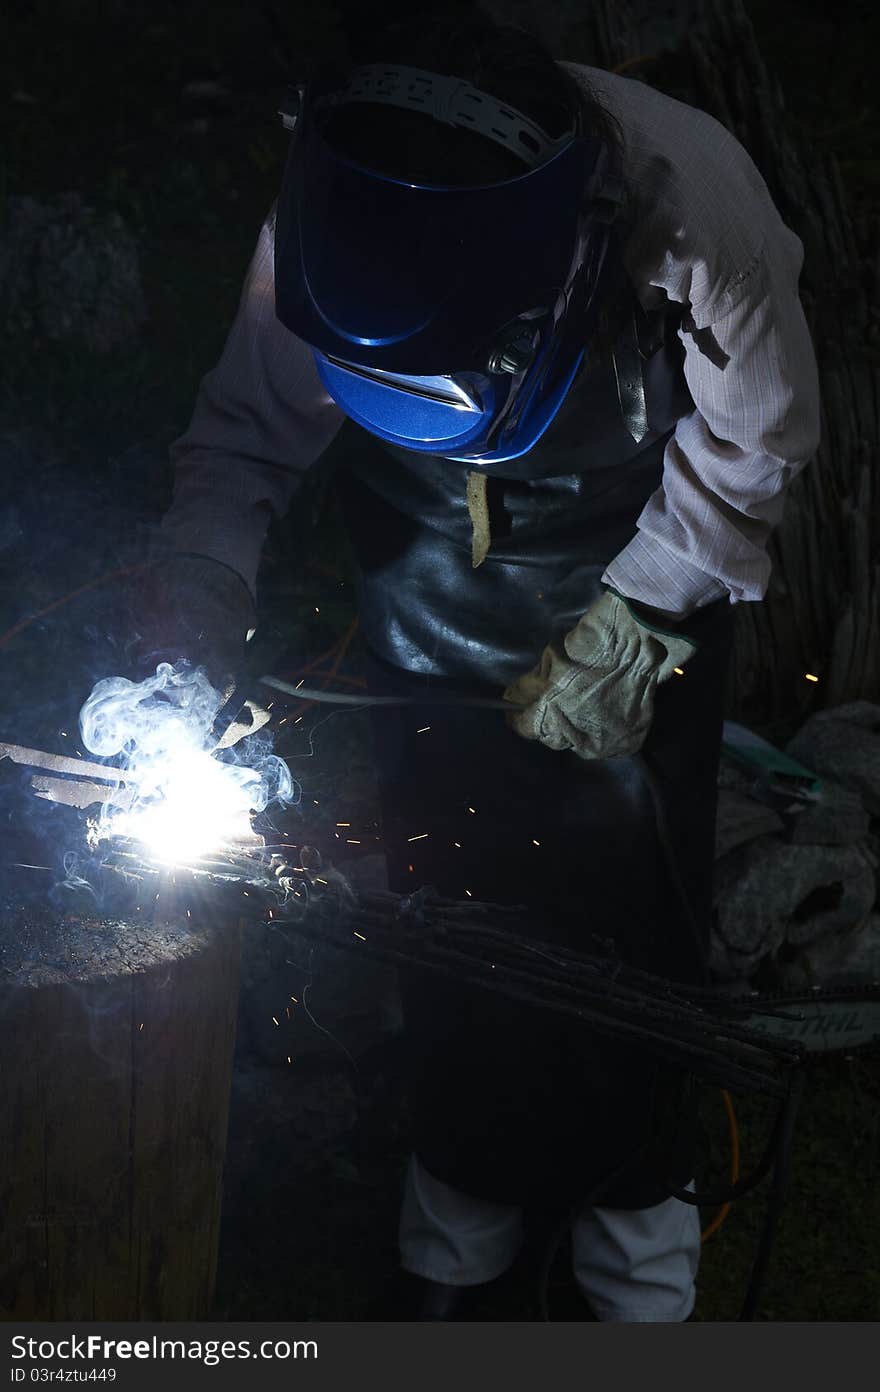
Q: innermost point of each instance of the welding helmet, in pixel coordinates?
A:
(448, 318)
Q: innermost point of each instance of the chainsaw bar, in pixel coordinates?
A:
(823, 1020)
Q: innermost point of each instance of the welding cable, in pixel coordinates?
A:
(712, 1228)
(29, 619)
(777, 1154)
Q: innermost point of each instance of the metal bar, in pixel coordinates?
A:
(60, 763)
(80, 792)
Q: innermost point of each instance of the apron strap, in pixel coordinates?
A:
(478, 510)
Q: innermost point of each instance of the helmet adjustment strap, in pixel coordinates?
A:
(452, 101)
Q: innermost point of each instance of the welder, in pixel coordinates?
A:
(558, 314)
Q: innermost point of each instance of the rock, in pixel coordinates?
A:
(727, 967)
(836, 818)
(844, 959)
(740, 819)
(69, 274)
(768, 892)
(850, 959)
(844, 744)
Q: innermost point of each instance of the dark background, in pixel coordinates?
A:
(166, 114)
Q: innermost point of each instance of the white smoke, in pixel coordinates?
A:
(185, 802)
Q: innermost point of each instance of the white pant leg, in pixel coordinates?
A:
(638, 1265)
(452, 1237)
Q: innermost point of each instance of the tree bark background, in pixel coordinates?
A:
(821, 614)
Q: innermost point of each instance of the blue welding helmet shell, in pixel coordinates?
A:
(447, 319)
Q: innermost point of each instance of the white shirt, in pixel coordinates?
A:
(705, 233)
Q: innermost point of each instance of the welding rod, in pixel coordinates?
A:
(344, 698)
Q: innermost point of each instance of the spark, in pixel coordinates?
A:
(317, 610)
(678, 672)
(534, 842)
(64, 733)
(20, 865)
(245, 893)
(140, 1026)
(457, 843)
(468, 893)
(188, 914)
(410, 868)
(298, 719)
(423, 729)
(472, 809)
(361, 936)
(289, 1059)
(350, 840)
(318, 880)
(809, 676)
(274, 1021)
(421, 836)
(343, 824)
(294, 999)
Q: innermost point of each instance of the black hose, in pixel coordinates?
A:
(777, 1195)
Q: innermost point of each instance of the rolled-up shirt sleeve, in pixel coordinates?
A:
(707, 234)
(262, 417)
(753, 379)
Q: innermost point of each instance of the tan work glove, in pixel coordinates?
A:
(597, 695)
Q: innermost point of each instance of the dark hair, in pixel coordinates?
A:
(508, 62)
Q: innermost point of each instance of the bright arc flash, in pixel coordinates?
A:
(195, 806)
(187, 803)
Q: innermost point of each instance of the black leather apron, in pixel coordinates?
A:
(510, 1103)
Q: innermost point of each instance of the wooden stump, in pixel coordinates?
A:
(114, 1094)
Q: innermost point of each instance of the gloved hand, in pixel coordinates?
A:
(193, 607)
(595, 694)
